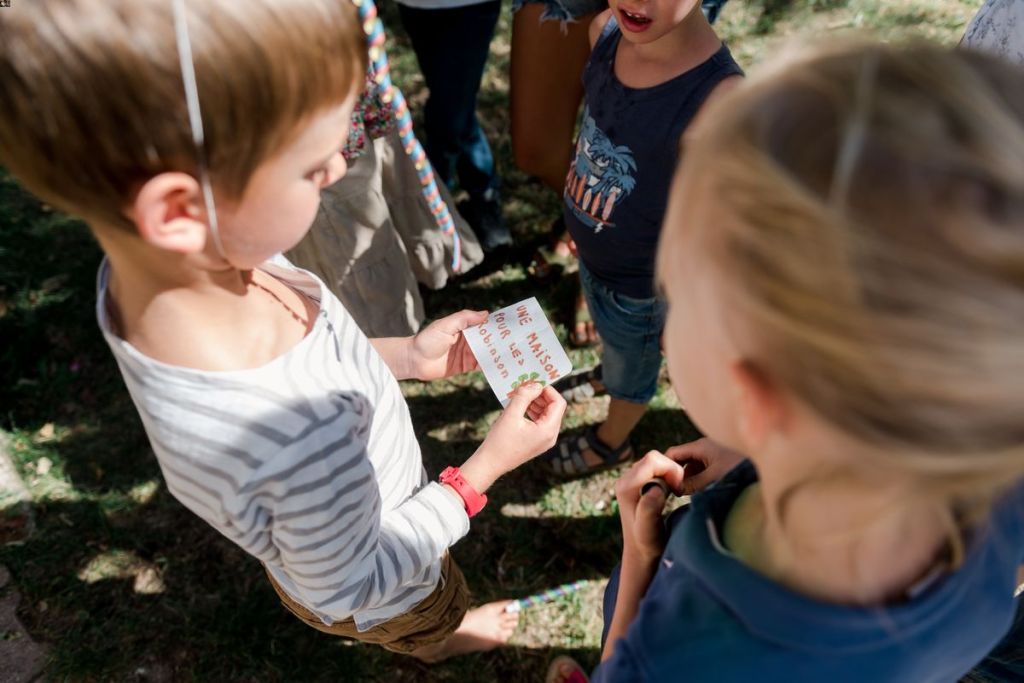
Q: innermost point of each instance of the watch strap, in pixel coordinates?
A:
(474, 502)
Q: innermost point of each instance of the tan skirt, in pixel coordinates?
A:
(374, 238)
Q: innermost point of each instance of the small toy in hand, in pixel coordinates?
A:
(690, 467)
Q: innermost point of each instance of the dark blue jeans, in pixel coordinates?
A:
(451, 47)
(1005, 664)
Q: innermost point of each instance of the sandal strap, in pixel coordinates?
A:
(579, 393)
(580, 377)
(608, 454)
(569, 457)
(566, 456)
(579, 386)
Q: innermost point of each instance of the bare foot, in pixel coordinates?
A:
(564, 247)
(483, 628)
(594, 460)
(584, 333)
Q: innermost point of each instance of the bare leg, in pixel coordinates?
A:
(545, 92)
(483, 628)
(584, 332)
(545, 95)
(623, 416)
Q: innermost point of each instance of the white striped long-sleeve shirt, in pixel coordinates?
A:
(309, 463)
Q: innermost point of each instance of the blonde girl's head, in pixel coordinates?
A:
(854, 220)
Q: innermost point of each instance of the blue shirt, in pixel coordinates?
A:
(708, 617)
(617, 187)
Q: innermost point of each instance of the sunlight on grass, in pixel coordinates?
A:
(41, 468)
(143, 493)
(123, 564)
(506, 275)
(743, 25)
(592, 496)
(573, 621)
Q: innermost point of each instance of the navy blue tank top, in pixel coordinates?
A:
(617, 187)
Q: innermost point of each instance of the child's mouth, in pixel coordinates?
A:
(634, 22)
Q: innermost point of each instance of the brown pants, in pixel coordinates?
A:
(428, 623)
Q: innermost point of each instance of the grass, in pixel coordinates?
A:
(124, 584)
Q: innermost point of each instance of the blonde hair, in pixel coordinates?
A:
(871, 247)
(94, 105)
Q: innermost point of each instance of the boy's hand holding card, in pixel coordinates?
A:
(517, 346)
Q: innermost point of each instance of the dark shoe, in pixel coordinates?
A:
(484, 215)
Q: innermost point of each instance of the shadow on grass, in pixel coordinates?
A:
(47, 275)
(479, 289)
(216, 617)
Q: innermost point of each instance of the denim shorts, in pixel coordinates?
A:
(630, 332)
(565, 11)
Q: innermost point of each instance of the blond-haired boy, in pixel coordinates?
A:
(272, 416)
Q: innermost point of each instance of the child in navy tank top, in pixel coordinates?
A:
(653, 64)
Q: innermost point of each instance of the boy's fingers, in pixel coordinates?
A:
(457, 322)
(469, 361)
(522, 398)
(553, 410)
(536, 409)
(541, 401)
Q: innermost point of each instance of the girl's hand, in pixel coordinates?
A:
(643, 532)
(440, 350)
(706, 462)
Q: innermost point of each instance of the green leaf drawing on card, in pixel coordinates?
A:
(524, 379)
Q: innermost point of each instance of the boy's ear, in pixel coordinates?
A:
(762, 409)
(168, 213)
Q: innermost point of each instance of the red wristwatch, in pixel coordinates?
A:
(473, 501)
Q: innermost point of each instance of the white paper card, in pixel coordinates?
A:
(515, 346)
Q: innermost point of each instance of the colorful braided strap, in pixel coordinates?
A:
(390, 94)
(545, 596)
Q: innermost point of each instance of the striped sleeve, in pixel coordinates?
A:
(342, 553)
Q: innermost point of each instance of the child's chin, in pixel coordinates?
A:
(641, 37)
